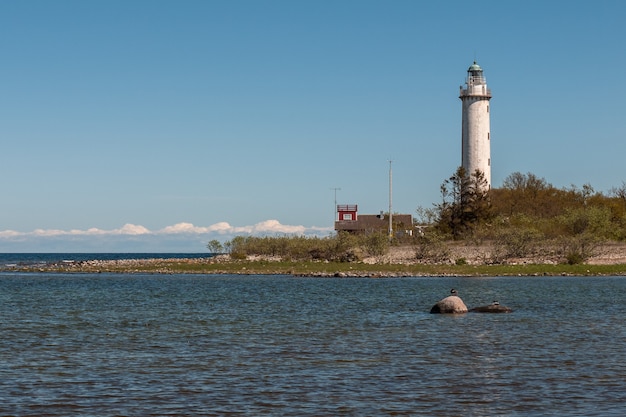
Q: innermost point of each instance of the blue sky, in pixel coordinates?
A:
(159, 125)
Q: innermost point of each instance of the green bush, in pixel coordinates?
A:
(574, 258)
(517, 241)
(376, 244)
(578, 249)
(432, 247)
(343, 247)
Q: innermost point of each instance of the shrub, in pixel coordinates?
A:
(517, 241)
(342, 247)
(575, 258)
(376, 244)
(578, 249)
(431, 247)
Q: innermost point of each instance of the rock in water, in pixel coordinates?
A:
(495, 307)
(449, 305)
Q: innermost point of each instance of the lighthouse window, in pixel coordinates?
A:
(489, 162)
(488, 136)
(487, 109)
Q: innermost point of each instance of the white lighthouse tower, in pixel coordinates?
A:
(476, 153)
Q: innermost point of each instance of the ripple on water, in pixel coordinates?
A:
(207, 345)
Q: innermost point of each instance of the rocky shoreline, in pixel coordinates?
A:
(209, 265)
(399, 262)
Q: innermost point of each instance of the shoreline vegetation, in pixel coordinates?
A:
(399, 261)
(527, 227)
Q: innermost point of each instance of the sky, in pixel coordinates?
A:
(154, 125)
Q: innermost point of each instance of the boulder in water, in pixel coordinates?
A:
(494, 307)
(450, 305)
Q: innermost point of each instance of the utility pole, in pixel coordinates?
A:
(335, 207)
(390, 205)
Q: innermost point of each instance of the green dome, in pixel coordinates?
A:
(474, 68)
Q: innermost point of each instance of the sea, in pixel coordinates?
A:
(276, 345)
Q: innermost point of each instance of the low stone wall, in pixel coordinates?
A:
(608, 254)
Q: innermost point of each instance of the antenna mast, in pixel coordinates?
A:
(390, 196)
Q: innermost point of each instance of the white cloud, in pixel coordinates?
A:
(184, 228)
(221, 227)
(180, 237)
(267, 226)
(132, 229)
(94, 231)
(276, 227)
(49, 232)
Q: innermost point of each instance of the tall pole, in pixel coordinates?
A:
(335, 207)
(390, 195)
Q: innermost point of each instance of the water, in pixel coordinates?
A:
(116, 345)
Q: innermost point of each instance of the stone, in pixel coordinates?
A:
(495, 307)
(449, 305)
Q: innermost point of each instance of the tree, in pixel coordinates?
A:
(426, 216)
(465, 203)
(523, 193)
(214, 246)
(525, 182)
(584, 230)
(619, 192)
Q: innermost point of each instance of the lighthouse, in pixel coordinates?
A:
(475, 133)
